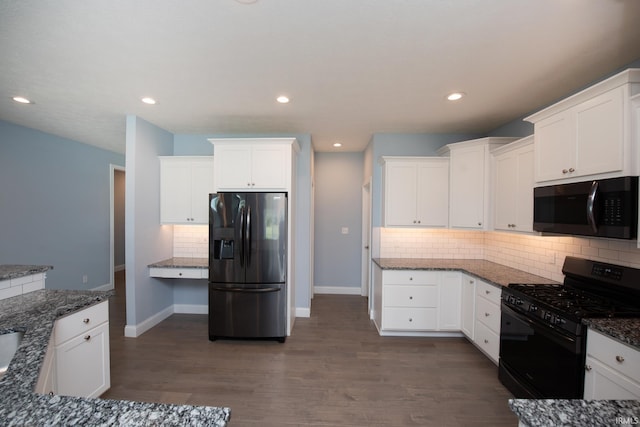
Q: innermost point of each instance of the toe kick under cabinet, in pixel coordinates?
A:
(411, 302)
(77, 360)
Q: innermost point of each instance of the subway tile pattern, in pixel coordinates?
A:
(191, 241)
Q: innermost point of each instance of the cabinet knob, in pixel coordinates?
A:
(418, 221)
(410, 297)
(587, 368)
(85, 321)
(487, 292)
(472, 281)
(572, 170)
(487, 314)
(414, 221)
(179, 274)
(565, 171)
(87, 337)
(479, 224)
(619, 359)
(486, 341)
(410, 319)
(410, 278)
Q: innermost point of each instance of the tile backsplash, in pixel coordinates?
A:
(540, 255)
(191, 241)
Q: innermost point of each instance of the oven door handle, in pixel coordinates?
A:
(559, 337)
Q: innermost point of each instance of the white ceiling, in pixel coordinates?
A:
(351, 67)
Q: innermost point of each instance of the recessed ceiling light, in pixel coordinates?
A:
(149, 100)
(282, 99)
(22, 100)
(455, 96)
(337, 145)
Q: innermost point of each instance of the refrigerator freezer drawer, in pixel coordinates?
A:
(247, 312)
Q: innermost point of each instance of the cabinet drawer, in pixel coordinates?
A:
(618, 356)
(410, 296)
(413, 319)
(488, 341)
(179, 273)
(490, 292)
(410, 277)
(488, 313)
(80, 322)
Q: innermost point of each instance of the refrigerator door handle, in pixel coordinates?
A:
(247, 290)
(242, 231)
(247, 238)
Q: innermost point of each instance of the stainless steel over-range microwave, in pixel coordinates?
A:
(599, 208)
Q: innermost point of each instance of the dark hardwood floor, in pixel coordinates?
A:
(334, 370)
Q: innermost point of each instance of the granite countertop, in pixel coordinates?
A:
(35, 313)
(584, 413)
(625, 330)
(180, 262)
(13, 271)
(496, 274)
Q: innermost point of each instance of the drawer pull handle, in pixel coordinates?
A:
(471, 281)
(486, 341)
(410, 297)
(410, 319)
(85, 321)
(487, 292)
(179, 274)
(50, 393)
(587, 368)
(619, 359)
(87, 337)
(410, 278)
(487, 314)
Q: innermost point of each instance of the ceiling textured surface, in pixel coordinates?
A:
(351, 68)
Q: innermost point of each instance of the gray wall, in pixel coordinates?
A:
(146, 240)
(55, 207)
(338, 196)
(118, 218)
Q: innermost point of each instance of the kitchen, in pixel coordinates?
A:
(150, 297)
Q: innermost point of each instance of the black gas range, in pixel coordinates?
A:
(542, 338)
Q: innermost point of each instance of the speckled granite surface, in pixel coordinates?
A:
(626, 331)
(35, 313)
(488, 271)
(583, 413)
(13, 271)
(182, 263)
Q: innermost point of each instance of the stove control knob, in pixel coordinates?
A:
(518, 301)
(533, 308)
(547, 315)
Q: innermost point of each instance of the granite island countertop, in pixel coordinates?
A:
(181, 262)
(13, 271)
(35, 313)
(583, 413)
(496, 274)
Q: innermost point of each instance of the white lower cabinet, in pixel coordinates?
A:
(77, 360)
(410, 301)
(468, 316)
(487, 319)
(612, 369)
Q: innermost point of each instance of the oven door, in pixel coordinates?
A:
(537, 361)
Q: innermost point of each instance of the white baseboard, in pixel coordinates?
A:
(337, 290)
(134, 331)
(191, 308)
(303, 312)
(105, 287)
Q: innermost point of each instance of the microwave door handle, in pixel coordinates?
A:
(590, 206)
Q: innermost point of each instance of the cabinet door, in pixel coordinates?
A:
(232, 169)
(523, 196)
(450, 302)
(269, 167)
(468, 306)
(506, 187)
(602, 382)
(600, 134)
(82, 364)
(201, 187)
(432, 199)
(400, 193)
(555, 147)
(175, 191)
(467, 187)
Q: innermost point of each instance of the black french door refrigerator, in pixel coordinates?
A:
(247, 265)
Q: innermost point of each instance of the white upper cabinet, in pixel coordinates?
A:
(469, 182)
(513, 186)
(185, 184)
(416, 191)
(588, 134)
(253, 164)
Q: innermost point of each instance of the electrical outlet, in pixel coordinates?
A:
(85, 279)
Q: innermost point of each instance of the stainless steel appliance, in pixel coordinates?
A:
(247, 265)
(542, 338)
(603, 208)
